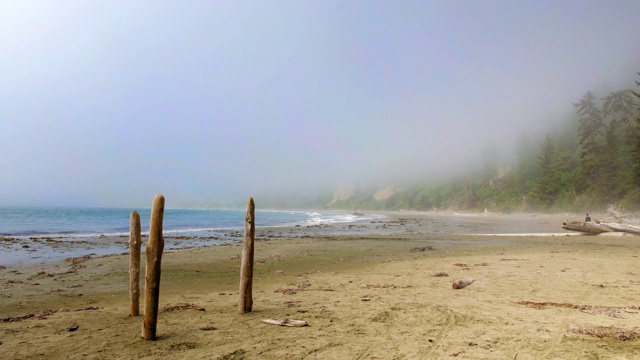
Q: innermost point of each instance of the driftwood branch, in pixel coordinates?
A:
(286, 322)
(615, 212)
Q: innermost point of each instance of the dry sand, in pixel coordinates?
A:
(383, 295)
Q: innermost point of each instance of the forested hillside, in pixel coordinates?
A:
(593, 161)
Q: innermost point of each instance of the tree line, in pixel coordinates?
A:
(593, 161)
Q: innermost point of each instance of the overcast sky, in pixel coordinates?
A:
(106, 103)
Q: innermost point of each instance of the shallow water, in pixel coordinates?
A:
(44, 249)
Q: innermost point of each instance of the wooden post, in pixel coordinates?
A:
(153, 252)
(134, 264)
(246, 270)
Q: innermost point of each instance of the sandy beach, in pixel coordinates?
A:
(382, 290)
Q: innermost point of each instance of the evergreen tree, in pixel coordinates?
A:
(590, 133)
(611, 170)
(526, 165)
(636, 144)
(618, 109)
(546, 186)
(620, 106)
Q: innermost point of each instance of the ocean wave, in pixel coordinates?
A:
(113, 222)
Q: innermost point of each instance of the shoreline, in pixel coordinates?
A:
(24, 250)
(369, 294)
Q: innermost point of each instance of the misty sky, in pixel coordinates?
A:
(106, 103)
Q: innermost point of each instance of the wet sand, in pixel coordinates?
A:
(382, 290)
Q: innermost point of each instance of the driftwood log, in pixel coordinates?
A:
(134, 264)
(245, 304)
(631, 229)
(462, 283)
(590, 227)
(153, 252)
(598, 227)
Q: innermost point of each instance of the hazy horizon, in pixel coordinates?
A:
(106, 103)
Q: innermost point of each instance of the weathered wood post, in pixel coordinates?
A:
(246, 270)
(134, 264)
(153, 252)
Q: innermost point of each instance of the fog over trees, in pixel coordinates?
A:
(592, 161)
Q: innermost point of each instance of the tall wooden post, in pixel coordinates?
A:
(153, 252)
(134, 264)
(246, 270)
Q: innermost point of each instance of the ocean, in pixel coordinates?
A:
(94, 222)
(45, 234)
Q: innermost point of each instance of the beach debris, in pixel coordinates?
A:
(79, 259)
(385, 286)
(542, 305)
(609, 332)
(10, 239)
(153, 253)
(245, 304)
(611, 311)
(239, 354)
(183, 307)
(208, 328)
(304, 284)
(462, 283)
(40, 274)
(620, 214)
(441, 274)
(42, 314)
(292, 303)
(277, 257)
(421, 249)
(73, 327)
(301, 286)
(460, 265)
(135, 243)
(285, 322)
(286, 291)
